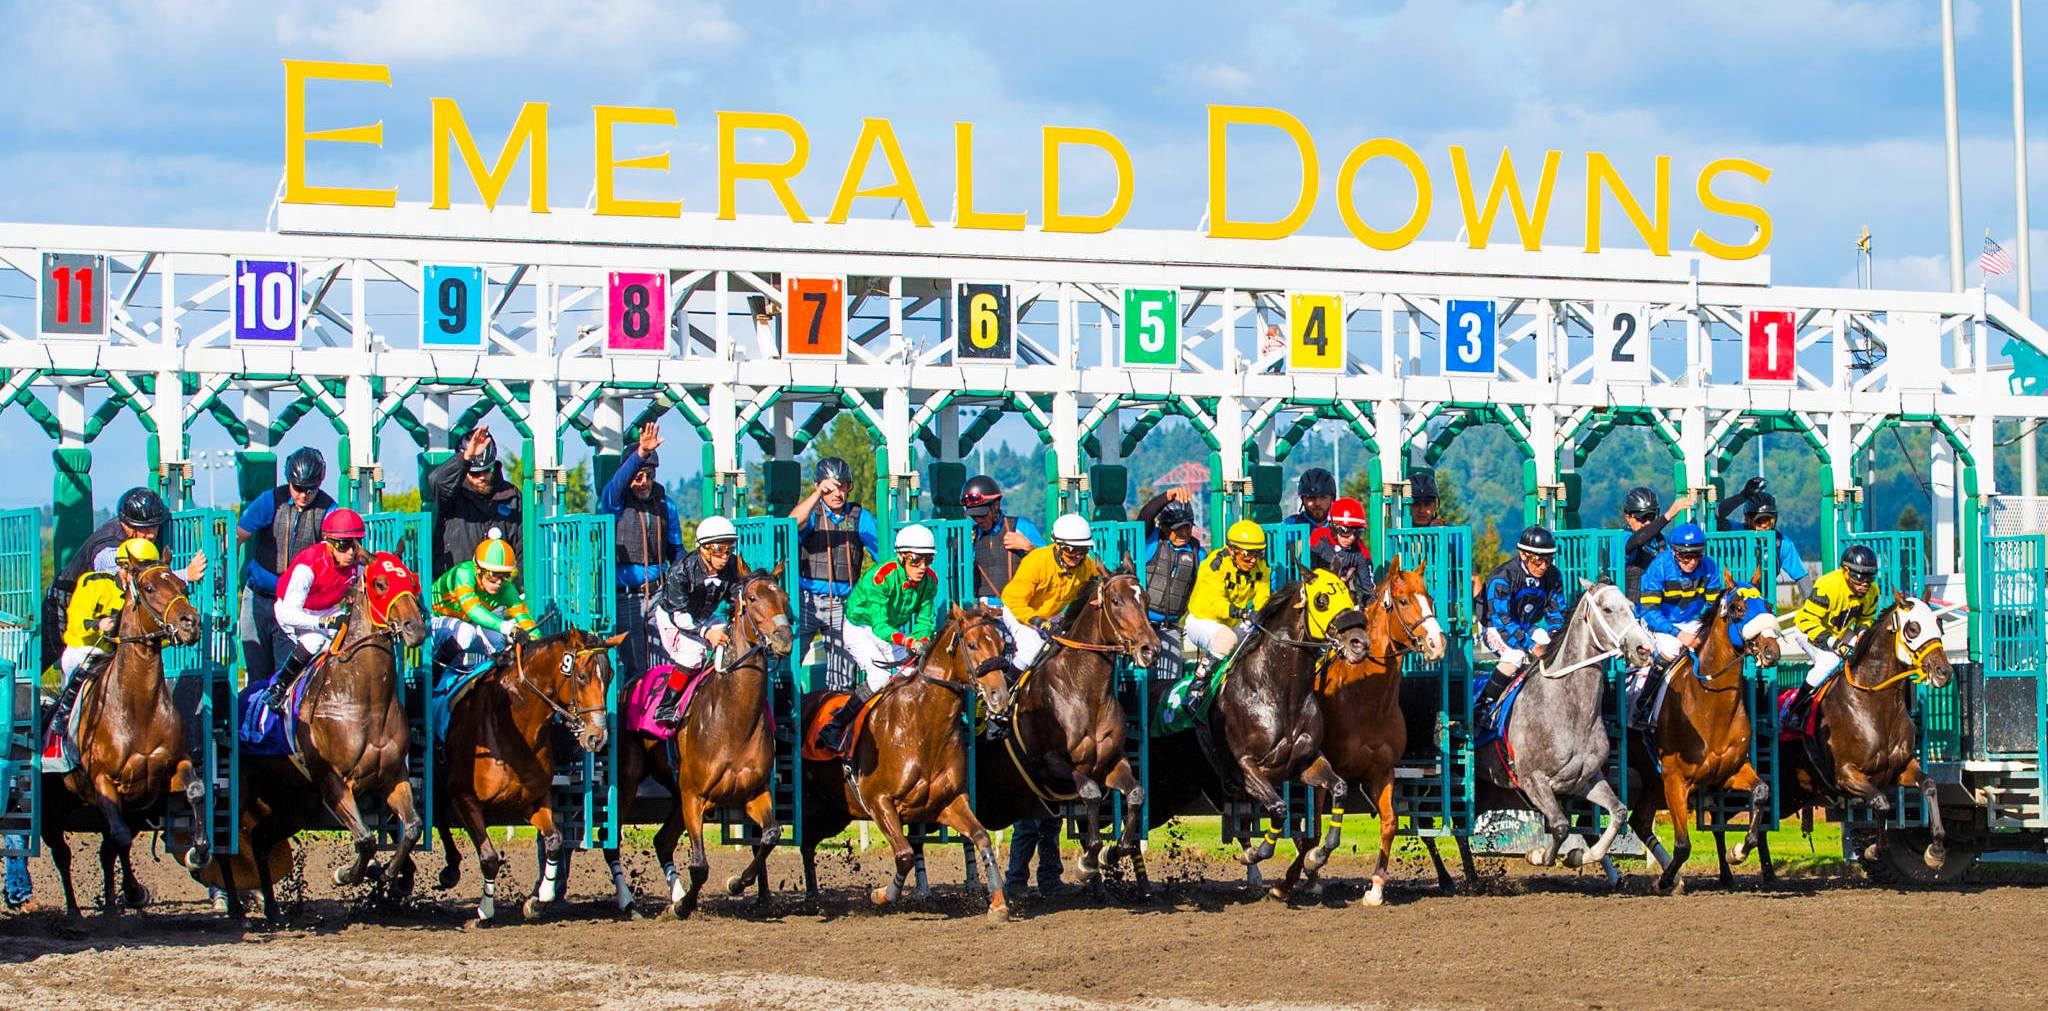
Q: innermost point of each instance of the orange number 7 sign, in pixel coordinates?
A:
(816, 317)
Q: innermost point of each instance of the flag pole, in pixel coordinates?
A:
(1955, 158)
(2030, 476)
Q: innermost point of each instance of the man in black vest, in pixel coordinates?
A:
(1000, 539)
(1645, 534)
(648, 536)
(470, 497)
(141, 514)
(835, 539)
(275, 526)
(1318, 489)
(1172, 556)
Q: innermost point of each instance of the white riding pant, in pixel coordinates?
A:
(312, 640)
(468, 637)
(1825, 661)
(73, 659)
(1668, 646)
(678, 636)
(1029, 642)
(1212, 637)
(877, 658)
(1508, 658)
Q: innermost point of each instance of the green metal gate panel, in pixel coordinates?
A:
(1116, 540)
(409, 536)
(2013, 593)
(202, 675)
(1286, 551)
(1901, 559)
(955, 562)
(575, 568)
(766, 541)
(1433, 785)
(1589, 556)
(1740, 553)
(21, 576)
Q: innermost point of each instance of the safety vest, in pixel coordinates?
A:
(1639, 562)
(331, 582)
(109, 535)
(642, 528)
(1170, 578)
(291, 530)
(993, 563)
(831, 550)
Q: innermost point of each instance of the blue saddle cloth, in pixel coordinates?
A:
(265, 733)
(450, 685)
(1493, 725)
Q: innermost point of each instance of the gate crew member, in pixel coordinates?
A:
(835, 539)
(890, 617)
(1339, 548)
(316, 588)
(1233, 585)
(1678, 588)
(478, 606)
(1318, 488)
(1843, 603)
(1762, 514)
(1646, 534)
(275, 526)
(1425, 509)
(1172, 556)
(140, 514)
(1521, 610)
(647, 537)
(1000, 540)
(691, 609)
(94, 613)
(471, 498)
(1048, 582)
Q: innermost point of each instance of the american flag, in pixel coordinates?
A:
(1994, 259)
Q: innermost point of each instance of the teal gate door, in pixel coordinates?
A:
(1115, 541)
(409, 536)
(765, 542)
(955, 563)
(21, 585)
(1433, 785)
(2013, 592)
(1286, 551)
(575, 569)
(202, 675)
(1901, 560)
(1591, 556)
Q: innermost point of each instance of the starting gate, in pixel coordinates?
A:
(21, 576)
(955, 562)
(1901, 559)
(574, 566)
(1286, 551)
(2009, 722)
(765, 542)
(1589, 556)
(201, 676)
(1117, 540)
(408, 535)
(1433, 784)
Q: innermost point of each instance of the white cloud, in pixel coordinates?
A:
(419, 31)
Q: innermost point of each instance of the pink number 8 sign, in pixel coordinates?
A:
(638, 316)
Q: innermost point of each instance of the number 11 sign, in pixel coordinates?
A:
(1770, 352)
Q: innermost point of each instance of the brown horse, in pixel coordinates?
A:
(500, 756)
(1364, 733)
(1704, 732)
(131, 747)
(724, 753)
(911, 763)
(351, 739)
(1068, 726)
(1863, 737)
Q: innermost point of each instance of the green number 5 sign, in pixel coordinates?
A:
(1151, 326)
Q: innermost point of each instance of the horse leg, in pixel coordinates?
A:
(549, 886)
(1603, 794)
(1321, 776)
(809, 849)
(1677, 800)
(342, 802)
(760, 811)
(109, 903)
(399, 801)
(1124, 780)
(891, 826)
(132, 891)
(1543, 798)
(1262, 794)
(665, 839)
(262, 838)
(488, 860)
(451, 866)
(622, 886)
(1937, 848)
(691, 810)
(186, 780)
(1445, 884)
(959, 817)
(923, 889)
(1746, 778)
(973, 878)
(1763, 856)
(1388, 825)
(60, 854)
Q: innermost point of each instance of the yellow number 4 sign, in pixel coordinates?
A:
(1315, 333)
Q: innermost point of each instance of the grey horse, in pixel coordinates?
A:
(1556, 738)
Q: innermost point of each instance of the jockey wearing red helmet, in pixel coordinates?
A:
(315, 586)
(1339, 547)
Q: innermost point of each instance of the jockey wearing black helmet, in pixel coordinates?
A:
(1646, 533)
(1762, 514)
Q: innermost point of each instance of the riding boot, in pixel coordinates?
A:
(61, 709)
(1795, 712)
(1197, 696)
(832, 736)
(447, 655)
(1646, 695)
(281, 686)
(1496, 684)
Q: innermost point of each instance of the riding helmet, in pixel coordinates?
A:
(485, 460)
(916, 539)
(1317, 483)
(1687, 539)
(143, 509)
(343, 525)
(495, 555)
(137, 551)
(1348, 513)
(981, 495)
(305, 468)
(715, 530)
(1762, 504)
(1422, 486)
(1246, 535)
(1536, 540)
(1641, 504)
(1173, 516)
(834, 468)
(1860, 561)
(1074, 531)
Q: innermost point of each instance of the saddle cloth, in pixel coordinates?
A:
(268, 734)
(829, 705)
(1492, 726)
(646, 698)
(60, 745)
(1812, 713)
(451, 684)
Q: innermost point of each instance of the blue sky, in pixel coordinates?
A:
(171, 113)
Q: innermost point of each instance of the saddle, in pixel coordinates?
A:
(1812, 721)
(829, 705)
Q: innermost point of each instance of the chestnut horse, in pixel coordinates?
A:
(500, 756)
(131, 740)
(1067, 726)
(350, 736)
(1364, 733)
(724, 752)
(1863, 738)
(911, 763)
(1704, 732)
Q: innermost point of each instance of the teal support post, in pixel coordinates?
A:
(70, 500)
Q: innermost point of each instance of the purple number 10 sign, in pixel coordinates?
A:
(266, 301)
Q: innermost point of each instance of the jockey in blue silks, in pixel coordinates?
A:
(1678, 588)
(1521, 611)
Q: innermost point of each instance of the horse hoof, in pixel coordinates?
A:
(1314, 859)
(1935, 856)
(1539, 858)
(198, 857)
(999, 914)
(1377, 896)
(533, 908)
(136, 897)
(1739, 853)
(1871, 853)
(342, 878)
(1572, 859)
(879, 896)
(451, 875)
(736, 884)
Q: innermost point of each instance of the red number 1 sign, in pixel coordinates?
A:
(1770, 353)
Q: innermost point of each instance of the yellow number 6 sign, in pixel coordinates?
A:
(983, 326)
(1315, 333)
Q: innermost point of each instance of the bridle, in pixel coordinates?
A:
(138, 595)
(1917, 672)
(744, 624)
(1124, 643)
(1603, 628)
(574, 671)
(1413, 632)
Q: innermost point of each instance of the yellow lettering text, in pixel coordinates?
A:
(1221, 119)
(296, 136)
(963, 188)
(1385, 147)
(878, 133)
(1655, 228)
(529, 130)
(1479, 223)
(605, 118)
(776, 174)
(1751, 213)
(1057, 220)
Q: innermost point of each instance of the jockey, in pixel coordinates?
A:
(890, 617)
(696, 596)
(1521, 611)
(1318, 489)
(316, 586)
(478, 604)
(1000, 540)
(1172, 554)
(95, 611)
(1232, 585)
(1762, 514)
(1646, 534)
(1048, 582)
(1843, 603)
(141, 513)
(1340, 549)
(1678, 588)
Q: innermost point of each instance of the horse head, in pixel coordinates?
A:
(1616, 625)
(975, 647)
(392, 595)
(1752, 625)
(1404, 595)
(161, 597)
(1122, 602)
(761, 612)
(580, 682)
(1917, 635)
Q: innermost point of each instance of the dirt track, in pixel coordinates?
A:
(1817, 943)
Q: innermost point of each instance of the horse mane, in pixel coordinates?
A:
(1863, 642)
(1082, 599)
(1280, 600)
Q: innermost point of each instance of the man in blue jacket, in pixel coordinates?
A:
(1678, 588)
(274, 527)
(1762, 515)
(649, 537)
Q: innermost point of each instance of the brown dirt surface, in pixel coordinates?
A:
(1532, 939)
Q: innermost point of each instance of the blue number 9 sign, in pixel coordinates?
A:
(452, 309)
